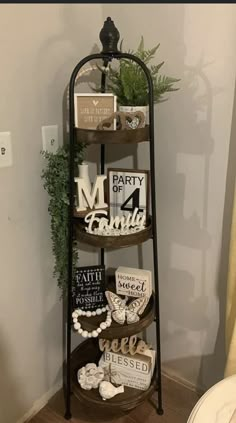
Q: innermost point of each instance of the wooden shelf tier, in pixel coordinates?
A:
(120, 331)
(123, 136)
(88, 352)
(111, 241)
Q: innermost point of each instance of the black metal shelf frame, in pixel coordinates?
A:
(109, 37)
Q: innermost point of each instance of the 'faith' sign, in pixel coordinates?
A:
(89, 288)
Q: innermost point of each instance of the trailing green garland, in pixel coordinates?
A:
(56, 182)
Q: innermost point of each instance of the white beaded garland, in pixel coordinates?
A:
(103, 325)
(94, 333)
(77, 326)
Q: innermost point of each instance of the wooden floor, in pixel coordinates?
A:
(178, 403)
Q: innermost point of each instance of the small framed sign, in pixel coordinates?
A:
(128, 189)
(91, 109)
(133, 282)
(88, 292)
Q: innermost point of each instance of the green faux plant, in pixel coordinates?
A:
(129, 83)
(55, 178)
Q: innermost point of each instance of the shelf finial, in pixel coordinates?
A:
(109, 36)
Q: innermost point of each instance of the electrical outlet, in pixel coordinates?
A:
(50, 138)
(5, 149)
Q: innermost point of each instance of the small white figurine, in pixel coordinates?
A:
(107, 390)
(90, 376)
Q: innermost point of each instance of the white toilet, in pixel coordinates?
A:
(217, 405)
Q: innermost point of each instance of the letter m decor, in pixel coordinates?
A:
(93, 196)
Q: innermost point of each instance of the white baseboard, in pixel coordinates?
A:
(39, 404)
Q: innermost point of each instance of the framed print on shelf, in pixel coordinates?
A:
(91, 109)
(128, 189)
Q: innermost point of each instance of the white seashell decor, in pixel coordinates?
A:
(90, 376)
(107, 390)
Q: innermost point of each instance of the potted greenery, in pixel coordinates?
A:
(128, 82)
(55, 176)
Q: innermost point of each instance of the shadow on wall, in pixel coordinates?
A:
(188, 306)
(190, 310)
(186, 243)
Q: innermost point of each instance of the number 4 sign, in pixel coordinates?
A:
(128, 189)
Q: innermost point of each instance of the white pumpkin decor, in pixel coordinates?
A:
(90, 376)
(107, 390)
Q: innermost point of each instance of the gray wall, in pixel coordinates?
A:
(192, 144)
(40, 45)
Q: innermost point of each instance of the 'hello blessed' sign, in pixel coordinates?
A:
(89, 288)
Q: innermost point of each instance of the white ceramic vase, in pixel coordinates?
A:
(131, 109)
(83, 170)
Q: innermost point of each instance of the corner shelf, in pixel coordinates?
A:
(124, 136)
(111, 241)
(88, 352)
(120, 331)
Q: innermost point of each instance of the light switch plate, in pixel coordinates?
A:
(5, 149)
(50, 138)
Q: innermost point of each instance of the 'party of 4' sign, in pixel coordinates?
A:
(128, 190)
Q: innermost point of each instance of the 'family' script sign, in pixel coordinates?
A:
(89, 288)
(91, 109)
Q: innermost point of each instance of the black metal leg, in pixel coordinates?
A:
(68, 414)
(158, 353)
(102, 151)
(102, 168)
(155, 253)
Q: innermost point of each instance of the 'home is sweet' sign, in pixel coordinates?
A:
(133, 282)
